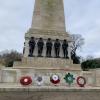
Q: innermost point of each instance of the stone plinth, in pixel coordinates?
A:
(11, 89)
(12, 76)
(44, 62)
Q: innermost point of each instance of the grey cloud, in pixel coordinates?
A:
(83, 17)
(15, 19)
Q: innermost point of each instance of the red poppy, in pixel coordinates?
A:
(26, 80)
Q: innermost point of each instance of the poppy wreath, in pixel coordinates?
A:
(55, 79)
(39, 80)
(69, 78)
(26, 80)
(81, 81)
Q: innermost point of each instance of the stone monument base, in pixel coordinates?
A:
(11, 89)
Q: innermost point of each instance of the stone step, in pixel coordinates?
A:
(48, 63)
(45, 62)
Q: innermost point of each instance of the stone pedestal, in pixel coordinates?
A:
(13, 76)
(45, 34)
(44, 62)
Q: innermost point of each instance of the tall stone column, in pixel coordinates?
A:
(48, 15)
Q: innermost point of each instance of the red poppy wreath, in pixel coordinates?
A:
(81, 81)
(26, 80)
(55, 79)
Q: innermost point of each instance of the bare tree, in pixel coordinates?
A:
(77, 42)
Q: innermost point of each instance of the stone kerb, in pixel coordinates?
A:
(49, 93)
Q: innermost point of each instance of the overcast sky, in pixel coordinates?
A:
(82, 17)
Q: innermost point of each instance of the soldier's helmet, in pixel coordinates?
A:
(57, 39)
(49, 39)
(32, 37)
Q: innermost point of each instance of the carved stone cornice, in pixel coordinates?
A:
(47, 34)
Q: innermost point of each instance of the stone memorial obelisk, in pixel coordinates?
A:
(48, 21)
(46, 71)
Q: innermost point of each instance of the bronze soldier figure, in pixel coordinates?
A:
(24, 49)
(48, 47)
(31, 46)
(65, 48)
(57, 47)
(40, 45)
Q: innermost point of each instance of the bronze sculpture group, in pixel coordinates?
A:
(49, 45)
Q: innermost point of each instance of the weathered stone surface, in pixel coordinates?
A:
(49, 63)
(49, 15)
(50, 94)
(11, 77)
(45, 34)
(97, 75)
